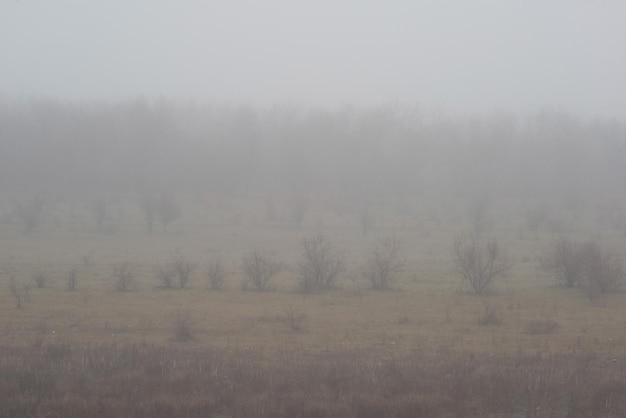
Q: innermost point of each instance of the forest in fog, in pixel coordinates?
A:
(364, 155)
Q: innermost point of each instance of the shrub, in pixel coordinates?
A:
(384, 260)
(563, 260)
(176, 272)
(124, 276)
(215, 274)
(40, 278)
(258, 269)
(481, 264)
(320, 264)
(294, 318)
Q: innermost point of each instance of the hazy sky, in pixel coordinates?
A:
(473, 55)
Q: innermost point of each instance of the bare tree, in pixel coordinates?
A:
(20, 291)
(563, 260)
(603, 270)
(259, 268)
(320, 264)
(72, 279)
(148, 207)
(367, 219)
(32, 212)
(176, 272)
(99, 208)
(124, 276)
(40, 278)
(383, 262)
(215, 274)
(167, 210)
(480, 264)
(299, 209)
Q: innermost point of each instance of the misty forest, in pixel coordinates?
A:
(169, 258)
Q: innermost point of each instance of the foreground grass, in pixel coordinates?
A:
(143, 380)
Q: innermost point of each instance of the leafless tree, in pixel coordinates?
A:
(215, 274)
(32, 212)
(299, 209)
(19, 291)
(481, 264)
(124, 276)
(383, 262)
(167, 210)
(603, 270)
(176, 272)
(366, 218)
(563, 260)
(99, 207)
(40, 278)
(258, 269)
(72, 279)
(320, 264)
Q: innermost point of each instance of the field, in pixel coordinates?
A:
(426, 347)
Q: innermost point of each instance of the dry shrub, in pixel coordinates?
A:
(541, 326)
(294, 318)
(215, 274)
(259, 268)
(491, 315)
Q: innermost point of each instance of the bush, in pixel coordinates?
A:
(384, 260)
(40, 278)
(124, 276)
(320, 264)
(258, 269)
(563, 260)
(175, 272)
(481, 264)
(588, 265)
(541, 326)
(215, 274)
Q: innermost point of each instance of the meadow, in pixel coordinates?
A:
(425, 347)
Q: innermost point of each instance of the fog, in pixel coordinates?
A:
(375, 106)
(478, 56)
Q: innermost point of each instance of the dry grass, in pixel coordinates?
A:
(428, 315)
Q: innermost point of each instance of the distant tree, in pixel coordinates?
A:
(383, 262)
(31, 212)
(99, 208)
(366, 218)
(148, 207)
(481, 264)
(176, 272)
(564, 261)
(123, 273)
(215, 274)
(20, 291)
(299, 209)
(603, 270)
(162, 208)
(259, 268)
(167, 210)
(320, 264)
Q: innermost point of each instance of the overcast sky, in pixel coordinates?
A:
(468, 55)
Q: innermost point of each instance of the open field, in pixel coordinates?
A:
(427, 323)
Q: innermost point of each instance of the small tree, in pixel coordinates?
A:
(563, 260)
(99, 207)
(124, 276)
(215, 274)
(72, 279)
(182, 268)
(258, 269)
(384, 261)
(165, 275)
(167, 210)
(481, 264)
(603, 270)
(320, 264)
(31, 212)
(19, 291)
(299, 209)
(40, 278)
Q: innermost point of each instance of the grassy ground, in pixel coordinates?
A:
(428, 312)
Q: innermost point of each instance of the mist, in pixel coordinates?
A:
(482, 56)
